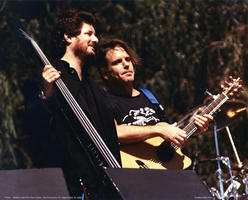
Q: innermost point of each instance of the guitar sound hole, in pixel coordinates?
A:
(165, 152)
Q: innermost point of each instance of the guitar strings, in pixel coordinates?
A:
(210, 109)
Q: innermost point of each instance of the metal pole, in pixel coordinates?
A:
(219, 171)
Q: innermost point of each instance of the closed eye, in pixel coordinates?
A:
(116, 62)
(89, 33)
(127, 59)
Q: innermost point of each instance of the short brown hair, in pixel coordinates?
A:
(70, 23)
(109, 44)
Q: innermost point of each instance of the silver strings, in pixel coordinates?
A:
(85, 122)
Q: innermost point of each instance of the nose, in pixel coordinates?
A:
(94, 39)
(125, 64)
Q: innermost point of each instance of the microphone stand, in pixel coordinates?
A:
(219, 170)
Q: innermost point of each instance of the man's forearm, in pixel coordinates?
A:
(131, 134)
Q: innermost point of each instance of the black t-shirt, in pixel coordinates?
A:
(71, 139)
(136, 110)
(92, 99)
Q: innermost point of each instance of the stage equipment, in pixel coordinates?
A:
(227, 115)
(33, 184)
(157, 184)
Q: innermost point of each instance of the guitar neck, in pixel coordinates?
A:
(190, 128)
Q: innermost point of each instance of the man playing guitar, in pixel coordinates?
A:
(136, 118)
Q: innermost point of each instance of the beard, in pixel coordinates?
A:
(83, 53)
(83, 50)
(87, 57)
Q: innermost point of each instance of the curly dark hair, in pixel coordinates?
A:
(109, 44)
(70, 23)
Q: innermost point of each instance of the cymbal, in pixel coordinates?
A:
(227, 114)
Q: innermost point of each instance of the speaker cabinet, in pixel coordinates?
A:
(136, 184)
(47, 183)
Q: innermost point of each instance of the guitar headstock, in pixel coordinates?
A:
(231, 86)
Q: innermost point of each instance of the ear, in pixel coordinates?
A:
(67, 38)
(104, 73)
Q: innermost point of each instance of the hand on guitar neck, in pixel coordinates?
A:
(155, 153)
(202, 122)
(169, 132)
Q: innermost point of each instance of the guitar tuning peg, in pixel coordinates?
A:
(227, 83)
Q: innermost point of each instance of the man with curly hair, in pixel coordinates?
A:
(75, 38)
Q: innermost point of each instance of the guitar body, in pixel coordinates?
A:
(146, 152)
(154, 153)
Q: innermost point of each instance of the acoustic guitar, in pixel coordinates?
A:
(155, 153)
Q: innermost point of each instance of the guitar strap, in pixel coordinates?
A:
(157, 106)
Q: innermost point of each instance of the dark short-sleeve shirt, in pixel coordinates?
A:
(136, 110)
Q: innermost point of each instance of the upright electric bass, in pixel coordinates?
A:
(79, 113)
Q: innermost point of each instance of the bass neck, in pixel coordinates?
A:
(77, 110)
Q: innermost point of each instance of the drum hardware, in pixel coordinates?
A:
(230, 112)
(243, 174)
(225, 160)
(226, 116)
(232, 190)
(219, 170)
(214, 192)
(245, 181)
(241, 180)
(235, 184)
